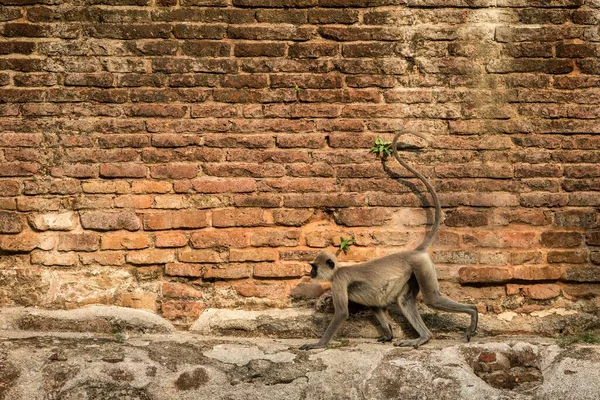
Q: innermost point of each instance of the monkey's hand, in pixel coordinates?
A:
(310, 346)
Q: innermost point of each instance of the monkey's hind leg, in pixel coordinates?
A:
(408, 306)
(425, 274)
(385, 325)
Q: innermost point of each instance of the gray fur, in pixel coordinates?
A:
(394, 278)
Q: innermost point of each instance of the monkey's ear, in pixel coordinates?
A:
(331, 263)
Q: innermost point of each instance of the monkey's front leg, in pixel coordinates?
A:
(340, 303)
(338, 318)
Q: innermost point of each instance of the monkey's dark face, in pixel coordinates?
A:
(323, 266)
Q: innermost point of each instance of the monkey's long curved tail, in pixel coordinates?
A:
(436, 222)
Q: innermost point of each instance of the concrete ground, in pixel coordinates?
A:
(112, 353)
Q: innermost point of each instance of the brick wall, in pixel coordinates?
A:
(182, 154)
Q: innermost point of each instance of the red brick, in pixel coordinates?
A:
(241, 217)
(236, 238)
(202, 256)
(275, 290)
(123, 171)
(78, 242)
(501, 239)
(160, 220)
(218, 185)
(292, 217)
(26, 242)
(107, 258)
(19, 169)
(260, 50)
(308, 290)
(50, 259)
(180, 291)
(485, 274)
(253, 255)
(174, 171)
(275, 238)
(138, 186)
(276, 270)
(9, 188)
(187, 270)
(487, 357)
(10, 223)
(561, 239)
(131, 201)
(230, 271)
(184, 312)
(150, 256)
(541, 291)
(108, 221)
(568, 257)
(362, 216)
(125, 241)
(537, 273)
(170, 239)
(581, 273)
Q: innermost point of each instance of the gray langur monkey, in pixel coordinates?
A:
(396, 277)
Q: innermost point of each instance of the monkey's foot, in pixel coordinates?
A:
(412, 343)
(468, 335)
(385, 339)
(310, 346)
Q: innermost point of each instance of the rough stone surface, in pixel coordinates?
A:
(185, 366)
(99, 319)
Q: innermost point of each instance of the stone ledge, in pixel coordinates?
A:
(181, 365)
(301, 323)
(95, 319)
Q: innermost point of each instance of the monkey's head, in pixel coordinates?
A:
(323, 267)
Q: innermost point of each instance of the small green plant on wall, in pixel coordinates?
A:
(381, 148)
(345, 244)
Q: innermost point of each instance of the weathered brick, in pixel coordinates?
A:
(174, 171)
(110, 220)
(10, 222)
(184, 312)
(260, 50)
(180, 291)
(150, 256)
(467, 218)
(253, 255)
(187, 270)
(230, 271)
(220, 238)
(66, 221)
(26, 241)
(582, 274)
(78, 242)
(242, 217)
(568, 257)
(125, 241)
(202, 256)
(275, 238)
(181, 219)
(292, 217)
(561, 239)
(537, 272)
(170, 239)
(308, 290)
(54, 259)
(275, 290)
(362, 216)
(283, 270)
